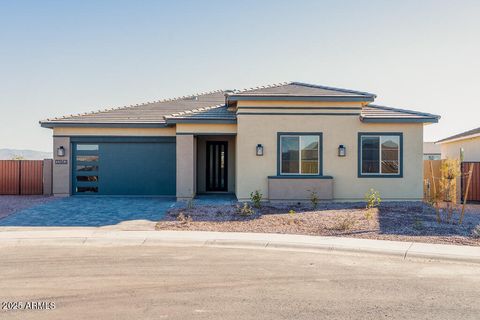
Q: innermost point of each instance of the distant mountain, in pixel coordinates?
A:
(9, 154)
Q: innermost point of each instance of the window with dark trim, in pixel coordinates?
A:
(299, 154)
(380, 154)
(87, 159)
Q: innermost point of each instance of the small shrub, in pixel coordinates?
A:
(190, 204)
(314, 199)
(244, 210)
(256, 198)
(476, 232)
(449, 171)
(372, 198)
(345, 223)
(183, 219)
(293, 219)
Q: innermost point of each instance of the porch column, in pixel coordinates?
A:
(61, 171)
(185, 167)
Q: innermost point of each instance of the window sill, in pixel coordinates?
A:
(380, 176)
(300, 177)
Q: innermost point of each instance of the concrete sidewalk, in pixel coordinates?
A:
(96, 237)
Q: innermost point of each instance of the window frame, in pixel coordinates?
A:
(87, 187)
(298, 134)
(400, 155)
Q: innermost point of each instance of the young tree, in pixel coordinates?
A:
(449, 171)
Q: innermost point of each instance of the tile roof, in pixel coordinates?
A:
(464, 135)
(376, 113)
(211, 106)
(146, 113)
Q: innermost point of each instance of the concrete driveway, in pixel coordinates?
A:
(89, 212)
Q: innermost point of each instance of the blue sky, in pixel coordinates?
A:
(66, 57)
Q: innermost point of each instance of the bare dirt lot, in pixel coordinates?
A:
(400, 221)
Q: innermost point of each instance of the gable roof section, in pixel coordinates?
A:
(461, 136)
(151, 114)
(382, 114)
(300, 91)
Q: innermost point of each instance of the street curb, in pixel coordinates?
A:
(92, 237)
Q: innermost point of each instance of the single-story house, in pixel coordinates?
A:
(285, 140)
(431, 151)
(464, 146)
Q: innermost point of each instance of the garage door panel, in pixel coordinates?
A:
(125, 168)
(137, 169)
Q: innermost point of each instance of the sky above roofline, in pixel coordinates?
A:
(69, 57)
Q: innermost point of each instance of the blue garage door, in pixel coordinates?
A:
(122, 166)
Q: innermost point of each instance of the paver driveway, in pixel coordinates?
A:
(90, 211)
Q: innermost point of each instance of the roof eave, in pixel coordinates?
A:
(54, 124)
(420, 114)
(454, 139)
(399, 120)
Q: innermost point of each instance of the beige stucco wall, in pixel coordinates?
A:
(62, 178)
(300, 189)
(139, 132)
(206, 128)
(191, 157)
(431, 148)
(202, 158)
(252, 171)
(471, 148)
(186, 162)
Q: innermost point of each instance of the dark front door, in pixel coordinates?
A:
(217, 171)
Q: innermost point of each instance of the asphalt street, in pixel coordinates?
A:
(160, 282)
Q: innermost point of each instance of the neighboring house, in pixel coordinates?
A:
(431, 151)
(466, 143)
(286, 140)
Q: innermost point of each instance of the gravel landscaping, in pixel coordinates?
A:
(400, 221)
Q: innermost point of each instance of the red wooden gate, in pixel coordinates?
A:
(474, 190)
(21, 177)
(9, 178)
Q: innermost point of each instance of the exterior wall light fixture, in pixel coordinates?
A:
(342, 151)
(61, 151)
(259, 150)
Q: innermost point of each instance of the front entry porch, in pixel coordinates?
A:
(205, 165)
(215, 164)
